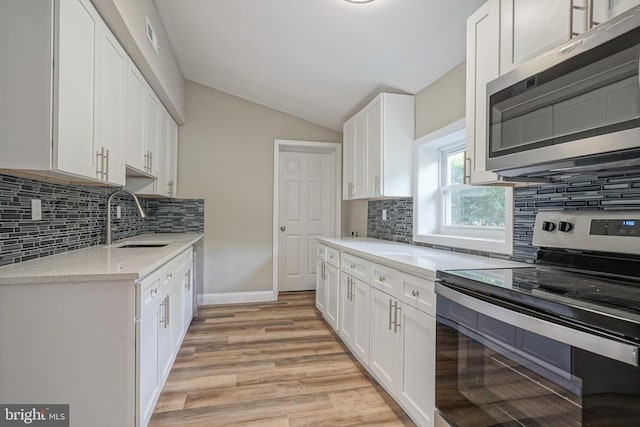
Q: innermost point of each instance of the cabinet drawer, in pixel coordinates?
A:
(321, 251)
(333, 257)
(147, 293)
(386, 279)
(419, 293)
(356, 267)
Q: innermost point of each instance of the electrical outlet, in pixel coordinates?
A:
(118, 212)
(36, 209)
(384, 214)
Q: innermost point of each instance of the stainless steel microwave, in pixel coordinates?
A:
(572, 110)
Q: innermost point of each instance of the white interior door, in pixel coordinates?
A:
(304, 211)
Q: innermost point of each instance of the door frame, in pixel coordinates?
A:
(285, 145)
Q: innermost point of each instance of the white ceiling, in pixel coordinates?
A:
(320, 60)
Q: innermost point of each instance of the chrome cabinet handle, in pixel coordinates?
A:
(150, 161)
(377, 185)
(170, 184)
(390, 312)
(467, 170)
(146, 161)
(169, 276)
(396, 324)
(163, 304)
(187, 280)
(415, 293)
(353, 266)
(592, 23)
(572, 9)
(382, 279)
(154, 291)
(107, 167)
(98, 164)
(168, 311)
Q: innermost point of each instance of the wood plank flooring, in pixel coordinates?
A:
(270, 364)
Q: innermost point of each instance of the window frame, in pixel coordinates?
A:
(429, 224)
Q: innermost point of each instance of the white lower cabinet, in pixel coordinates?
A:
(417, 338)
(321, 286)
(165, 306)
(332, 313)
(388, 322)
(354, 316)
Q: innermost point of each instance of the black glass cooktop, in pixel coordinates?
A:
(605, 302)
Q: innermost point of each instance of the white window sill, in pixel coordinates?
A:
(488, 245)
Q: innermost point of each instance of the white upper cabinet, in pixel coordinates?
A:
(136, 102)
(171, 175)
(74, 144)
(111, 106)
(377, 149)
(483, 65)
(530, 27)
(69, 123)
(603, 10)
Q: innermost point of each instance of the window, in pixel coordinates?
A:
(450, 212)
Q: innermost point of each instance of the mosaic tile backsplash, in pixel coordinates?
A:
(74, 217)
(601, 193)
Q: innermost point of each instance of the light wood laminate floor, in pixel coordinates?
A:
(270, 364)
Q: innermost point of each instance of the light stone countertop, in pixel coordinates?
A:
(414, 259)
(100, 263)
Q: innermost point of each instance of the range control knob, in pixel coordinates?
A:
(565, 226)
(548, 226)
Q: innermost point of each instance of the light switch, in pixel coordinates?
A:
(384, 214)
(36, 209)
(118, 212)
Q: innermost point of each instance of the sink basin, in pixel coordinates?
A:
(129, 245)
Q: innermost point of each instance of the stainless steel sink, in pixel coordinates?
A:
(129, 245)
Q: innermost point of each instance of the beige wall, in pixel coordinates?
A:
(226, 157)
(442, 102)
(126, 18)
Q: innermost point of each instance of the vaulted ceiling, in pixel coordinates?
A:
(319, 60)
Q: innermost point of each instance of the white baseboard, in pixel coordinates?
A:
(236, 297)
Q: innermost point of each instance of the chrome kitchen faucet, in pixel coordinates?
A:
(138, 206)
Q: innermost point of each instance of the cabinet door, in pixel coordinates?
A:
(483, 65)
(74, 149)
(360, 158)
(418, 364)
(333, 297)
(373, 116)
(347, 310)
(528, 28)
(151, 126)
(384, 341)
(172, 159)
(348, 159)
(136, 101)
(321, 287)
(165, 347)
(360, 301)
(148, 382)
(111, 72)
(177, 305)
(603, 10)
(159, 164)
(187, 299)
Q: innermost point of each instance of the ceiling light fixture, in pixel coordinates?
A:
(359, 1)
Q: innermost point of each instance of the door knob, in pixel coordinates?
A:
(283, 228)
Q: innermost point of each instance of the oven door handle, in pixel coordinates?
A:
(617, 350)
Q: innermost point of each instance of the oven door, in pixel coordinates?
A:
(501, 367)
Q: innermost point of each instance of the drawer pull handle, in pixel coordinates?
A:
(382, 279)
(415, 293)
(169, 276)
(154, 291)
(353, 266)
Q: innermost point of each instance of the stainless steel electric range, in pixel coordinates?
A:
(555, 344)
